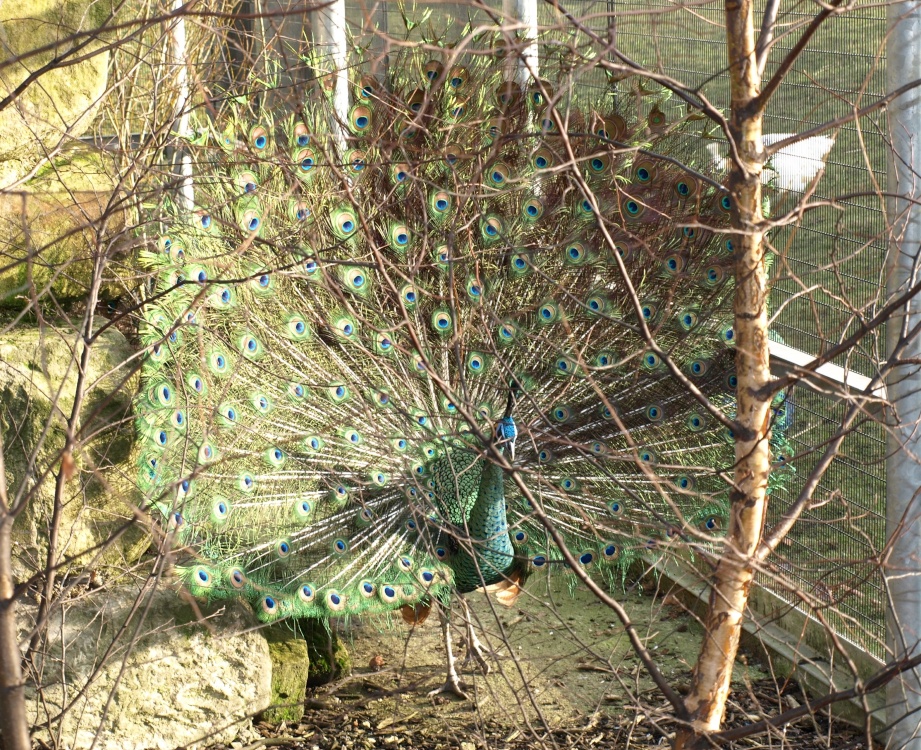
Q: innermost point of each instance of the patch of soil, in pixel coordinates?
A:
(562, 675)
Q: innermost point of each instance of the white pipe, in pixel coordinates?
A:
(903, 468)
(177, 56)
(528, 63)
(829, 373)
(332, 38)
(525, 13)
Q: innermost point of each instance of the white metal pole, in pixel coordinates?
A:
(528, 66)
(903, 469)
(178, 53)
(331, 37)
(525, 13)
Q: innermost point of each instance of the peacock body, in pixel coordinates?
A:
(366, 323)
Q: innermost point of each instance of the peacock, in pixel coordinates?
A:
(386, 342)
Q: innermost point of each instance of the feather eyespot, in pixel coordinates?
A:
(345, 223)
(442, 321)
(388, 593)
(399, 237)
(655, 413)
(360, 118)
(714, 275)
(433, 70)
(652, 361)
(301, 134)
(492, 228)
(440, 203)
(306, 161)
(684, 483)
(302, 509)
(236, 577)
(335, 601)
(259, 138)
(356, 161)
(575, 254)
(314, 443)
(202, 577)
(532, 209)
(457, 78)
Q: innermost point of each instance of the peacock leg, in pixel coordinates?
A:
(452, 682)
(475, 649)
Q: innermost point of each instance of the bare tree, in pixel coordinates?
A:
(153, 85)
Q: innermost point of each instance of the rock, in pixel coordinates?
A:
(290, 670)
(328, 656)
(53, 227)
(60, 104)
(38, 380)
(168, 680)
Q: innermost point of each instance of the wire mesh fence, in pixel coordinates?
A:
(828, 267)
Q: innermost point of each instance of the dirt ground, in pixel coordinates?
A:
(562, 675)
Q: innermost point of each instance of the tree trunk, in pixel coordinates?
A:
(732, 579)
(14, 727)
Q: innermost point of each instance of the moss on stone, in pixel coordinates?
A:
(38, 379)
(61, 103)
(290, 672)
(54, 226)
(329, 658)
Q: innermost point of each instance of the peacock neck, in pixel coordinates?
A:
(487, 525)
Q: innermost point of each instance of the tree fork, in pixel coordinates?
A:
(734, 574)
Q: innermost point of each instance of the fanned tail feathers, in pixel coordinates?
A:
(333, 322)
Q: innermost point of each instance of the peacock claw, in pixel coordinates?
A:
(476, 653)
(452, 685)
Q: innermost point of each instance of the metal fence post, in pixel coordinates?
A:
(903, 493)
(330, 35)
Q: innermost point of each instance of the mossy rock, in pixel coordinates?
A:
(60, 104)
(140, 669)
(38, 382)
(53, 227)
(329, 658)
(290, 672)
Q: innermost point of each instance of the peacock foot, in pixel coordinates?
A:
(476, 652)
(452, 685)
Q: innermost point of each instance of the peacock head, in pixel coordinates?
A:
(505, 435)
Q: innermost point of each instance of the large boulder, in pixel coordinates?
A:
(145, 670)
(59, 104)
(38, 382)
